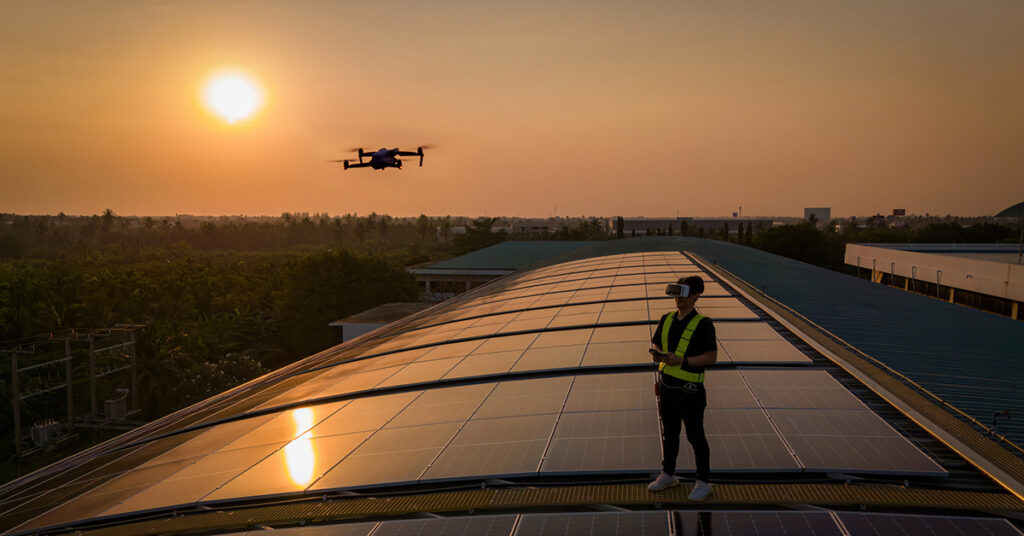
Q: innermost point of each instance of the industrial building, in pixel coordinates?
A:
(525, 406)
(984, 276)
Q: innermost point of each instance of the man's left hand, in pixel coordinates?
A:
(673, 360)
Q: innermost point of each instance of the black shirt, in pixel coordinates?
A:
(702, 341)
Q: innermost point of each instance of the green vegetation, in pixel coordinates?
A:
(212, 320)
(223, 300)
(825, 245)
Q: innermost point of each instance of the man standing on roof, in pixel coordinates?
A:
(683, 345)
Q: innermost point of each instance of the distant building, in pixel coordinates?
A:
(371, 319)
(821, 214)
(691, 226)
(536, 227)
(983, 276)
(443, 280)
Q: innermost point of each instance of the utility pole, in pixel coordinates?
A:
(67, 374)
(1020, 245)
(15, 399)
(92, 378)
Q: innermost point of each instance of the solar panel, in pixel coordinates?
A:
(390, 456)
(484, 364)
(420, 372)
(566, 320)
(608, 454)
(596, 524)
(439, 405)
(728, 396)
(194, 481)
(634, 315)
(746, 331)
(525, 397)
(850, 440)
(358, 382)
(291, 468)
(744, 439)
(758, 523)
(208, 440)
(456, 526)
(617, 353)
(457, 349)
(286, 425)
(107, 495)
(526, 325)
(510, 342)
(365, 414)
(609, 392)
(622, 334)
(779, 351)
(314, 383)
(506, 446)
(562, 338)
(557, 357)
(711, 303)
(630, 305)
(723, 313)
(601, 424)
(807, 397)
(858, 524)
(396, 359)
(613, 441)
(633, 291)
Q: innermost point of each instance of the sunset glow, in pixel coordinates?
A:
(558, 111)
(232, 96)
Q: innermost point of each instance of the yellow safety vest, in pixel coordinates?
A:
(676, 371)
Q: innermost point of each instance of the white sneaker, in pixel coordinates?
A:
(663, 481)
(701, 491)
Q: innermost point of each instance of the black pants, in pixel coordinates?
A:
(677, 408)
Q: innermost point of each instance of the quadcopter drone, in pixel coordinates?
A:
(382, 158)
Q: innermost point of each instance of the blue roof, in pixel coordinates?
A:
(972, 359)
(510, 255)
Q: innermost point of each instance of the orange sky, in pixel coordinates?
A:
(596, 108)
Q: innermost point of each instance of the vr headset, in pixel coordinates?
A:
(677, 290)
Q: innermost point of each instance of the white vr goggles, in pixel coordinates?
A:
(677, 290)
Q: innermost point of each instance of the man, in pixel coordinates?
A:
(683, 345)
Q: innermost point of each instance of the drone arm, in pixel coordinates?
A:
(418, 152)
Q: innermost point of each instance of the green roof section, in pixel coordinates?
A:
(972, 359)
(510, 255)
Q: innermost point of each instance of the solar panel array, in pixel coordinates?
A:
(548, 384)
(662, 522)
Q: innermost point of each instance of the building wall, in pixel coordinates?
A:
(822, 214)
(997, 279)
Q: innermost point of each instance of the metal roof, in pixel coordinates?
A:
(509, 255)
(530, 394)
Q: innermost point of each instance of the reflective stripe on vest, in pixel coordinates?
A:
(676, 371)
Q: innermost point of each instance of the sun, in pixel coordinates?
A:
(232, 96)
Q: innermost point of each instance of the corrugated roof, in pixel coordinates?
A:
(510, 255)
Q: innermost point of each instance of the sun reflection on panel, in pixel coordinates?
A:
(299, 453)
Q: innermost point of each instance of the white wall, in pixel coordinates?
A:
(984, 277)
